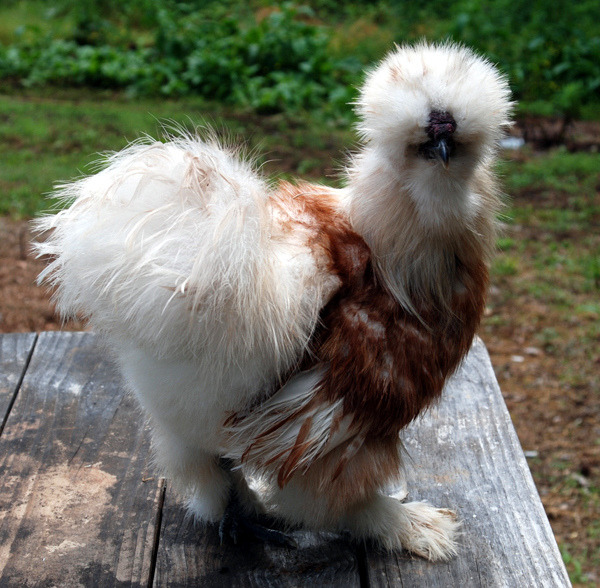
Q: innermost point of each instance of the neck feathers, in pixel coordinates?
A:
(423, 245)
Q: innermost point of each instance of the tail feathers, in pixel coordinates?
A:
(180, 232)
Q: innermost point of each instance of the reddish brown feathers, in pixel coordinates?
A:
(385, 363)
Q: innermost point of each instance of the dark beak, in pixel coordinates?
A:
(440, 149)
(442, 152)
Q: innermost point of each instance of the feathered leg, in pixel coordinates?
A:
(322, 497)
(417, 527)
(195, 474)
(216, 491)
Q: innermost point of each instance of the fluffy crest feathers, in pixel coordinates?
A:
(411, 82)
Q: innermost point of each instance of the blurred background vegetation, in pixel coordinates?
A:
(295, 56)
(78, 78)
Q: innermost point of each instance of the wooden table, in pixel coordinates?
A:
(81, 506)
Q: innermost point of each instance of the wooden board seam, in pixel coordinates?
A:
(19, 384)
(157, 529)
(363, 565)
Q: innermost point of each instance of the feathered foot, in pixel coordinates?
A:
(417, 527)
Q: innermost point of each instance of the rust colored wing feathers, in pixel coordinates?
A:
(371, 366)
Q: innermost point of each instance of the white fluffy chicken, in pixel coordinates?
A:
(295, 330)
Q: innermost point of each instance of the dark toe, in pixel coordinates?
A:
(236, 521)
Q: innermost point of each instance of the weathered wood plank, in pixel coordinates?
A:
(465, 454)
(15, 350)
(191, 555)
(74, 509)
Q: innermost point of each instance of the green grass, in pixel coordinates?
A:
(572, 173)
(505, 266)
(28, 17)
(44, 141)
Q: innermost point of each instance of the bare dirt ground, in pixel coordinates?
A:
(24, 306)
(557, 423)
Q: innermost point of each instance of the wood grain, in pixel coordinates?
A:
(465, 455)
(74, 510)
(79, 505)
(15, 351)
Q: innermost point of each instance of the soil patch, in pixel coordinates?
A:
(25, 306)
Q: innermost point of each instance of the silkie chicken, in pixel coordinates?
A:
(292, 331)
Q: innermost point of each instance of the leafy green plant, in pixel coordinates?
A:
(273, 57)
(548, 59)
(278, 63)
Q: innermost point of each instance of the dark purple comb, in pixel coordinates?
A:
(441, 124)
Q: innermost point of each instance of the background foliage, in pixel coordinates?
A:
(298, 56)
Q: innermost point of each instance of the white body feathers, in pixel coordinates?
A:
(175, 256)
